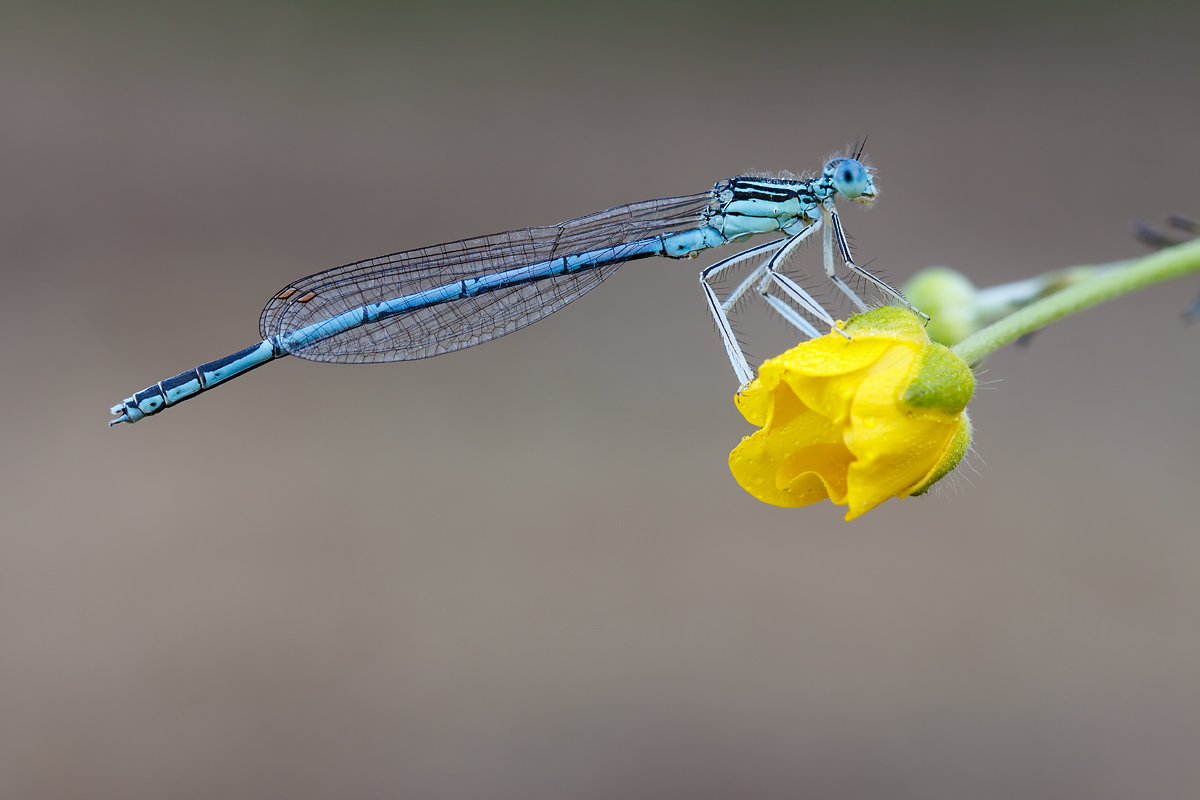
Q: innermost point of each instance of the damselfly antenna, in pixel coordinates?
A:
(858, 150)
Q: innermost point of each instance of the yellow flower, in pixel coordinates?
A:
(857, 420)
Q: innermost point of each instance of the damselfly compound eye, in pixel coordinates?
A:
(850, 178)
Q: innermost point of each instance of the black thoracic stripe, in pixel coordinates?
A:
(749, 186)
(765, 186)
(745, 194)
(746, 190)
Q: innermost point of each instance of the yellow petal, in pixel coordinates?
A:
(895, 447)
(954, 453)
(829, 355)
(755, 401)
(893, 458)
(808, 368)
(818, 470)
(783, 463)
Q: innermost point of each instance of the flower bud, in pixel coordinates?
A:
(859, 420)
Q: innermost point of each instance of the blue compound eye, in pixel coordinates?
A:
(850, 178)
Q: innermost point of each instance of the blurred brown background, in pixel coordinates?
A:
(524, 570)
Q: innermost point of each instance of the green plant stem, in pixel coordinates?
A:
(1165, 265)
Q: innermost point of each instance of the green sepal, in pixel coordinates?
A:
(941, 380)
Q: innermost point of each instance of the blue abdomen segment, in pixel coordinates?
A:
(174, 390)
(191, 383)
(300, 338)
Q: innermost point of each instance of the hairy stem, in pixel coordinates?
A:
(1166, 265)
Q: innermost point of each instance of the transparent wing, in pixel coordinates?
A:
(466, 321)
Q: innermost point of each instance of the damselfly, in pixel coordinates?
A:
(439, 299)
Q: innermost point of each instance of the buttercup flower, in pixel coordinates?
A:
(857, 420)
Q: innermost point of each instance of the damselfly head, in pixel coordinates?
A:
(851, 179)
